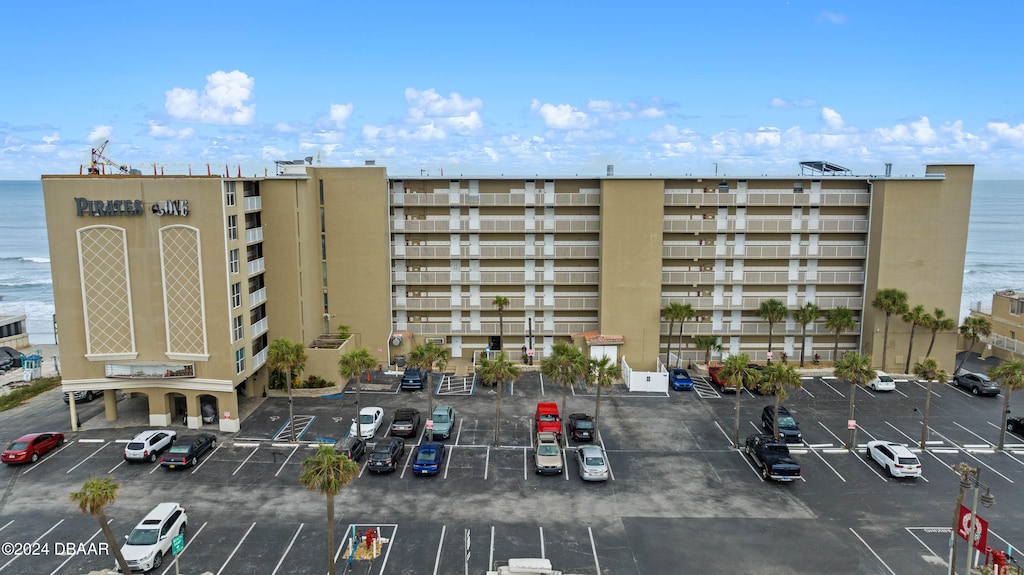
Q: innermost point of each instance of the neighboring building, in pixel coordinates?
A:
(1007, 318)
(13, 331)
(174, 286)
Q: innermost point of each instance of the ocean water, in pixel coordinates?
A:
(993, 261)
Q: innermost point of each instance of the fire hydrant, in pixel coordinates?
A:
(371, 537)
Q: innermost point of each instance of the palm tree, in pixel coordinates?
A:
(928, 370)
(602, 373)
(803, 316)
(501, 302)
(856, 369)
(915, 317)
(737, 372)
(938, 322)
(353, 364)
(94, 497)
(674, 312)
(426, 356)
(565, 364)
(1011, 373)
(494, 372)
(328, 472)
(772, 311)
(973, 329)
(839, 319)
(774, 381)
(708, 343)
(687, 313)
(288, 355)
(889, 300)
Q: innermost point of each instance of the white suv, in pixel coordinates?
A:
(882, 382)
(149, 444)
(151, 539)
(897, 460)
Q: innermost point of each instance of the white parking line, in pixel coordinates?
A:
(757, 472)
(459, 434)
(987, 444)
(235, 550)
(72, 556)
(868, 547)
(543, 553)
(525, 464)
(440, 545)
(911, 530)
(287, 549)
(45, 459)
(6, 525)
(607, 463)
(244, 461)
(287, 459)
(870, 464)
(832, 388)
(829, 466)
(490, 557)
(593, 549)
(448, 463)
(120, 463)
(487, 461)
(206, 458)
(727, 436)
(86, 459)
(185, 548)
(55, 525)
(408, 458)
(830, 433)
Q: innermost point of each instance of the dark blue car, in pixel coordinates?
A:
(679, 379)
(428, 458)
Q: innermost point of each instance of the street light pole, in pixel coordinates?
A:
(965, 484)
(969, 478)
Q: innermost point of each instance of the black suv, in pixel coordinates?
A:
(581, 427)
(385, 454)
(351, 447)
(788, 427)
(412, 378)
(406, 422)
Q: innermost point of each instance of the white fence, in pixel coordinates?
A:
(656, 381)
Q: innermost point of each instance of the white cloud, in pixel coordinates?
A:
(562, 116)
(429, 104)
(425, 132)
(340, 113)
(798, 103)
(284, 127)
(51, 139)
(1005, 133)
(223, 100)
(832, 18)
(271, 154)
(833, 121)
(651, 113)
(670, 133)
(166, 133)
(99, 134)
(918, 132)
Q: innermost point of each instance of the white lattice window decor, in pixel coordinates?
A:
(184, 302)
(106, 291)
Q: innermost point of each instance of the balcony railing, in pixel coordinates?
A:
(491, 328)
(257, 297)
(253, 235)
(253, 203)
(150, 371)
(256, 266)
(258, 328)
(259, 358)
(412, 303)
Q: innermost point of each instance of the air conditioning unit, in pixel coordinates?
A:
(436, 340)
(396, 340)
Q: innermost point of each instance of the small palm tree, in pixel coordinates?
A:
(94, 497)
(565, 365)
(928, 370)
(803, 316)
(708, 343)
(673, 312)
(856, 369)
(328, 473)
(353, 364)
(937, 321)
(838, 320)
(737, 372)
(915, 317)
(494, 372)
(288, 355)
(602, 373)
(891, 301)
(501, 302)
(775, 380)
(973, 329)
(1011, 373)
(772, 311)
(426, 356)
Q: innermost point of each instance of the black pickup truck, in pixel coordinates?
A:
(772, 455)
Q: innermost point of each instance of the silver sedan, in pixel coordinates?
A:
(592, 463)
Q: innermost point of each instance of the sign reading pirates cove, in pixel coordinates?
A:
(101, 208)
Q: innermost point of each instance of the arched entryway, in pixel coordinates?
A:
(209, 408)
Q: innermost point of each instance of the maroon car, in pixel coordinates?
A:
(31, 447)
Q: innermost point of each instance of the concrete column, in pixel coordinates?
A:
(195, 415)
(110, 404)
(159, 409)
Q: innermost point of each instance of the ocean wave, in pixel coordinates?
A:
(27, 283)
(28, 259)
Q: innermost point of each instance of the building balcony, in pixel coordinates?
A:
(259, 328)
(259, 358)
(414, 251)
(417, 303)
(514, 329)
(253, 203)
(413, 277)
(705, 303)
(254, 235)
(256, 266)
(257, 297)
(698, 197)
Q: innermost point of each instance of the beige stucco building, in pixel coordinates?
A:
(1006, 317)
(174, 286)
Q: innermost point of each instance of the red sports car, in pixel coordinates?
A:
(30, 447)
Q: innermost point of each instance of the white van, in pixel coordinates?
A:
(524, 566)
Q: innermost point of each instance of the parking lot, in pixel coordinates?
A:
(678, 494)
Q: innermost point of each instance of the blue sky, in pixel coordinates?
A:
(486, 88)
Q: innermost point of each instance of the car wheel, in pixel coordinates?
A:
(764, 472)
(152, 457)
(89, 396)
(1009, 427)
(60, 441)
(975, 390)
(182, 530)
(888, 471)
(158, 560)
(35, 457)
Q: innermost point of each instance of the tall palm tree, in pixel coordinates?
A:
(803, 316)
(565, 365)
(973, 329)
(1011, 373)
(737, 372)
(494, 372)
(772, 311)
(673, 312)
(928, 370)
(915, 316)
(602, 373)
(288, 355)
(501, 302)
(328, 472)
(708, 343)
(891, 301)
(938, 322)
(93, 498)
(775, 380)
(425, 356)
(353, 364)
(856, 369)
(838, 320)
(687, 313)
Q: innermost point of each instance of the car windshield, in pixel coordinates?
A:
(594, 461)
(366, 418)
(547, 450)
(143, 536)
(179, 449)
(425, 456)
(787, 421)
(908, 461)
(584, 424)
(548, 417)
(18, 445)
(440, 418)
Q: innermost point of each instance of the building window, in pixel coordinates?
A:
(240, 360)
(237, 328)
(798, 188)
(232, 227)
(236, 295)
(229, 194)
(1017, 306)
(234, 261)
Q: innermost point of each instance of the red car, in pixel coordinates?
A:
(30, 447)
(721, 384)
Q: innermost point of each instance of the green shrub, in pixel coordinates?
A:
(22, 394)
(315, 381)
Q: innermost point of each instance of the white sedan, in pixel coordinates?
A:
(370, 419)
(882, 382)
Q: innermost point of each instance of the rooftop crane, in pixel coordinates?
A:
(98, 158)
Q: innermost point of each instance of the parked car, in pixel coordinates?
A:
(895, 458)
(428, 458)
(412, 378)
(789, 429)
(581, 427)
(351, 447)
(592, 463)
(882, 382)
(385, 454)
(370, 419)
(680, 379)
(720, 384)
(1015, 424)
(756, 386)
(149, 444)
(31, 447)
(976, 383)
(443, 419)
(151, 540)
(406, 422)
(85, 396)
(546, 418)
(187, 451)
(771, 455)
(547, 454)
